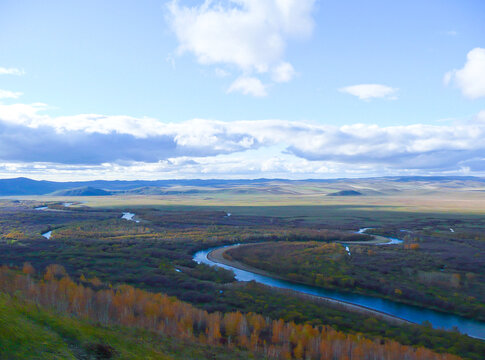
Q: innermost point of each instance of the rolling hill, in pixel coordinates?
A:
(81, 191)
(337, 187)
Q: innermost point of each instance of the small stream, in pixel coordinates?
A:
(392, 241)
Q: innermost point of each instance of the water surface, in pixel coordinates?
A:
(129, 216)
(407, 312)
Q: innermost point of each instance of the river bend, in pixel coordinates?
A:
(410, 313)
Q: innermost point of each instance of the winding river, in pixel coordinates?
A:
(410, 313)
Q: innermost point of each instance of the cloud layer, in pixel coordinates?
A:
(471, 78)
(221, 148)
(249, 35)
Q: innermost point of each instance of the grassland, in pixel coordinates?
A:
(409, 196)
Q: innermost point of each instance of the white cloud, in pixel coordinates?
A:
(471, 78)
(6, 94)
(221, 73)
(248, 86)
(249, 34)
(11, 71)
(284, 72)
(481, 116)
(255, 148)
(370, 91)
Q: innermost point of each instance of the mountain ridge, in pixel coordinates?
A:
(25, 186)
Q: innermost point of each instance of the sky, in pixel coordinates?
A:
(241, 88)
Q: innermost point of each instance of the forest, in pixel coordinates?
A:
(410, 273)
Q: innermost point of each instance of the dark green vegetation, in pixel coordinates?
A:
(99, 244)
(438, 273)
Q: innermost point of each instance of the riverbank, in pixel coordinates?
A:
(217, 256)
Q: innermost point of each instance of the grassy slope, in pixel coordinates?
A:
(27, 332)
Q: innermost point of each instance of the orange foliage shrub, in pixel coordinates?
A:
(28, 269)
(274, 339)
(413, 246)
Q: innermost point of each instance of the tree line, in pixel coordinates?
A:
(129, 306)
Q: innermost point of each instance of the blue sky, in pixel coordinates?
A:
(249, 88)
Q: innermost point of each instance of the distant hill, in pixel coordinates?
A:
(81, 191)
(145, 190)
(24, 186)
(154, 190)
(345, 193)
(434, 178)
